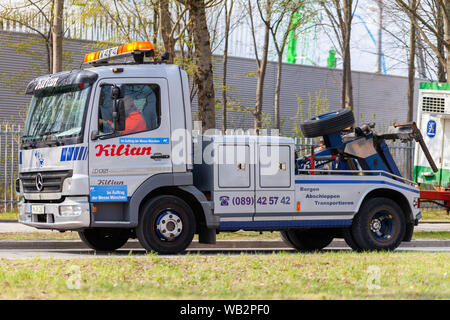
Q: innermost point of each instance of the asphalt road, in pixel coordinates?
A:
(70, 249)
(18, 227)
(73, 249)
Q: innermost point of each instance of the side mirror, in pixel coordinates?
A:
(117, 94)
(119, 115)
(118, 91)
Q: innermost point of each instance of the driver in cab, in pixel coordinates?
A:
(134, 121)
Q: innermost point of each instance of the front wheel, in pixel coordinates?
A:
(307, 240)
(103, 239)
(379, 225)
(166, 225)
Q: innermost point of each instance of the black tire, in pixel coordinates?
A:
(154, 213)
(328, 123)
(349, 240)
(285, 237)
(309, 240)
(379, 225)
(102, 239)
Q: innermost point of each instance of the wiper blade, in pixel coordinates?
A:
(47, 133)
(52, 142)
(27, 144)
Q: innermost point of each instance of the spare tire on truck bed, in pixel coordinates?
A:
(328, 123)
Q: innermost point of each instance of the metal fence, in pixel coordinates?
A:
(9, 154)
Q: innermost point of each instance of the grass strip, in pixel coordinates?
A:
(330, 275)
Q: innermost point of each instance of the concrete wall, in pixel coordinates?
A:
(379, 97)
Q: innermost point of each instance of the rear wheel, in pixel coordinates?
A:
(350, 241)
(103, 239)
(379, 225)
(307, 240)
(166, 225)
(284, 236)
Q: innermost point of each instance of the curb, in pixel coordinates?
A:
(434, 222)
(221, 244)
(420, 221)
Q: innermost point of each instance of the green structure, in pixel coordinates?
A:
(309, 34)
(292, 44)
(332, 59)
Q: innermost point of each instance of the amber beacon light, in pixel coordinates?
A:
(132, 48)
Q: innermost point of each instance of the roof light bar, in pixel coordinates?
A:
(118, 52)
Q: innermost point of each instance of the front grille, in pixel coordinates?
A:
(433, 104)
(52, 180)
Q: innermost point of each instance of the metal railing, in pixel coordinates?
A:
(402, 153)
(10, 134)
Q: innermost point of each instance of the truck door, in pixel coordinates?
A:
(120, 161)
(275, 188)
(234, 188)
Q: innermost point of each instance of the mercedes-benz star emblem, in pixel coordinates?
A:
(39, 182)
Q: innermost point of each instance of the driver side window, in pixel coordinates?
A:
(142, 109)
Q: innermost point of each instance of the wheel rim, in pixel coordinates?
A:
(382, 226)
(168, 226)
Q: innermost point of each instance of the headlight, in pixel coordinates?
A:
(66, 211)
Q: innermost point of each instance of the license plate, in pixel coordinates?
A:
(37, 209)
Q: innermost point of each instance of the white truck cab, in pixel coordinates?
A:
(108, 151)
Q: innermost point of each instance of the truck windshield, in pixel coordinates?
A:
(58, 113)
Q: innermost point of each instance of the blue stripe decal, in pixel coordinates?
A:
(69, 153)
(355, 182)
(80, 155)
(63, 154)
(75, 153)
(285, 224)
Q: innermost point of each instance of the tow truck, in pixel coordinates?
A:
(89, 164)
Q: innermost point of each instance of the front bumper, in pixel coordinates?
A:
(51, 218)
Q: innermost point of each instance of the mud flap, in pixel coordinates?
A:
(408, 232)
(207, 236)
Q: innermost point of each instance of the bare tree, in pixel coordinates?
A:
(203, 62)
(289, 9)
(228, 13)
(169, 29)
(340, 14)
(412, 60)
(264, 8)
(430, 28)
(27, 13)
(57, 35)
(130, 19)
